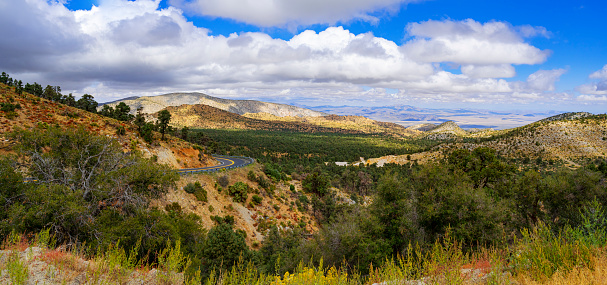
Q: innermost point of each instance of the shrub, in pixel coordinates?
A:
(257, 199)
(120, 131)
(239, 191)
(198, 191)
(173, 208)
(223, 180)
(251, 176)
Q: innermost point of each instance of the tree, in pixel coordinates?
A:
(87, 102)
(164, 117)
(68, 100)
(121, 112)
(317, 183)
(223, 247)
(184, 133)
(4, 78)
(107, 110)
(49, 92)
(19, 87)
(139, 120)
(79, 176)
(146, 132)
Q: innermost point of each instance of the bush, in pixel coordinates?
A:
(198, 191)
(173, 208)
(251, 176)
(257, 199)
(239, 191)
(223, 180)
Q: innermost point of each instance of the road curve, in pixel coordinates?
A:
(225, 162)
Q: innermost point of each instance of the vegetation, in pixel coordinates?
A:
(198, 191)
(470, 215)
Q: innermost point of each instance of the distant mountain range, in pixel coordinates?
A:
(153, 104)
(409, 116)
(404, 115)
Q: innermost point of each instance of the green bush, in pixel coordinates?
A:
(256, 199)
(239, 191)
(198, 191)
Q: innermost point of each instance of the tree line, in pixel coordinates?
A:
(53, 93)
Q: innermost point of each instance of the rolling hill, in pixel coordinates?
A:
(569, 137)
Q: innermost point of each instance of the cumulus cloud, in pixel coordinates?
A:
(600, 74)
(471, 42)
(269, 13)
(544, 80)
(489, 71)
(123, 48)
(595, 88)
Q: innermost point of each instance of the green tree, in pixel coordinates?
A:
(184, 133)
(79, 176)
(68, 100)
(107, 111)
(164, 117)
(139, 120)
(317, 182)
(87, 102)
(223, 247)
(121, 112)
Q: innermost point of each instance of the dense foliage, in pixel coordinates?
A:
(86, 190)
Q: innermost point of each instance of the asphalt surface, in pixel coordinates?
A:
(225, 162)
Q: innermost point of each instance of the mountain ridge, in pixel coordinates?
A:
(153, 104)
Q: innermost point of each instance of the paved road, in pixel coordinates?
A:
(225, 162)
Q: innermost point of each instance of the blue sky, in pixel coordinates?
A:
(500, 55)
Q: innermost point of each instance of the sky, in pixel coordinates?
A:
(476, 54)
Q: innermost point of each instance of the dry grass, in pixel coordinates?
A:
(582, 275)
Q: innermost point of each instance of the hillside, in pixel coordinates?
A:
(356, 123)
(273, 210)
(207, 117)
(583, 137)
(35, 111)
(569, 137)
(153, 104)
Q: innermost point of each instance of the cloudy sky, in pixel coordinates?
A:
(501, 55)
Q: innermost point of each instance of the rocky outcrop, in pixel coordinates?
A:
(153, 104)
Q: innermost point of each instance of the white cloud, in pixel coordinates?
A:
(595, 88)
(544, 80)
(489, 71)
(470, 42)
(600, 74)
(292, 13)
(592, 98)
(123, 48)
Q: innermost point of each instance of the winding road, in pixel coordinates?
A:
(225, 162)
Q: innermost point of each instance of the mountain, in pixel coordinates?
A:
(153, 104)
(466, 118)
(569, 137)
(207, 117)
